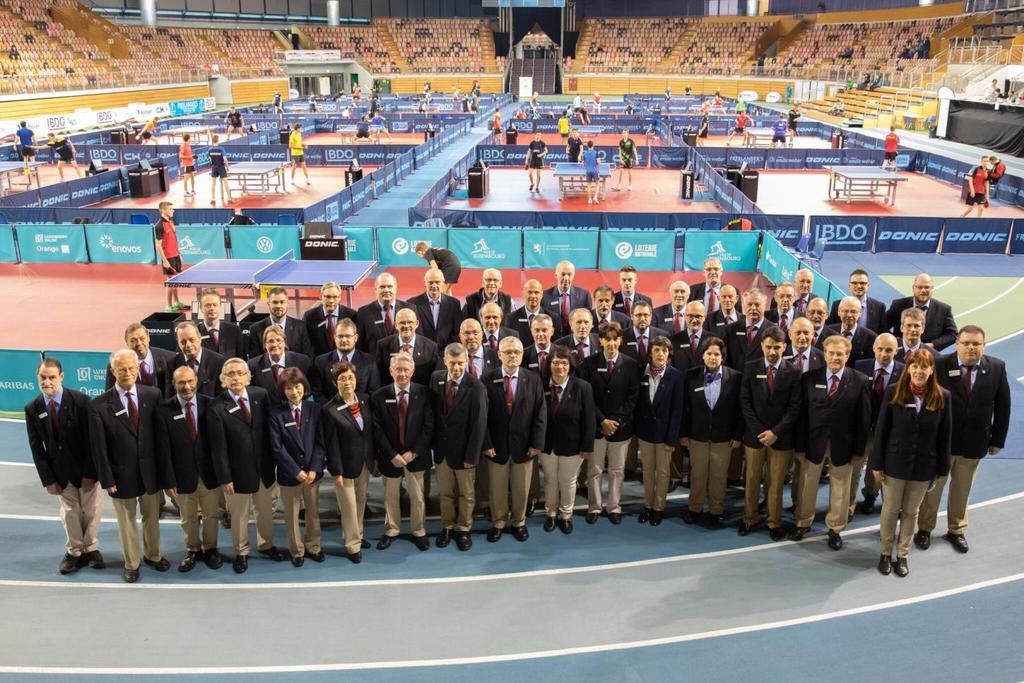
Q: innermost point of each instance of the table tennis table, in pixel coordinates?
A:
(258, 175)
(350, 132)
(590, 130)
(201, 135)
(754, 137)
(258, 275)
(12, 169)
(863, 182)
(572, 179)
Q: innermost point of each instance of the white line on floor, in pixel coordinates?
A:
(992, 300)
(945, 282)
(1002, 339)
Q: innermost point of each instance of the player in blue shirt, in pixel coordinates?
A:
(219, 171)
(591, 168)
(278, 109)
(26, 142)
(779, 130)
(382, 126)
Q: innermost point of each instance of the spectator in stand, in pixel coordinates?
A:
(13, 52)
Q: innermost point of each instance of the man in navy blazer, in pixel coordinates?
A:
(183, 446)
(204, 362)
(980, 392)
(516, 423)
(376, 320)
(155, 364)
(58, 435)
(604, 298)
(883, 370)
(218, 335)
(672, 316)
(521, 318)
(939, 326)
(800, 352)
(439, 314)
(321, 321)
(862, 340)
(122, 434)
(581, 340)
(267, 367)
(492, 319)
(627, 294)
(872, 311)
(294, 329)
(657, 420)
(563, 298)
(406, 340)
(686, 342)
(460, 425)
(836, 419)
(490, 293)
(239, 446)
(743, 338)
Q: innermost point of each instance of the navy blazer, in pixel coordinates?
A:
(875, 320)
(208, 377)
(371, 327)
(294, 447)
(229, 339)
(912, 445)
(619, 304)
(778, 411)
(425, 357)
(295, 336)
(449, 317)
(630, 348)
(660, 421)
(63, 458)
(571, 428)
(939, 326)
(838, 426)
(519, 322)
(185, 461)
(982, 419)
(419, 429)
(125, 455)
(513, 435)
(241, 452)
(367, 375)
(862, 343)
(551, 303)
(813, 358)
(615, 393)
(683, 357)
(867, 367)
(725, 422)
(263, 374)
(163, 360)
(475, 301)
(664, 317)
(459, 432)
(738, 352)
(350, 448)
(315, 321)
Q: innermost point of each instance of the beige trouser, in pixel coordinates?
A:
(292, 497)
(240, 508)
(615, 453)
(125, 509)
(393, 504)
(80, 515)
(656, 460)
(838, 495)
(560, 483)
(709, 469)
(901, 500)
(961, 477)
(351, 495)
(502, 477)
(871, 486)
(777, 462)
(458, 496)
(189, 505)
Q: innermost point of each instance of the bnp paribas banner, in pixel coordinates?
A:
(487, 248)
(52, 244)
(17, 378)
(644, 249)
(736, 250)
(397, 246)
(120, 243)
(84, 371)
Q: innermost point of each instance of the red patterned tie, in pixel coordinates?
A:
(693, 343)
(389, 323)
(641, 350)
(276, 369)
(542, 360)
(565, 309)
(800, 362)
(965, 371)
(133, 410)
(472, 366)
(751, 333)
(771, 379)
(677, 326)
(833, 387)
(246, 415)
(580, 355)
(190, 417)
(556, 398)
(712, 301)
(509, 397)
(298, 418)
(880, 382)
(450, 398)
(147, 376)
(215, 339)
(331, 327)
(494, 342)
(627, 304)
(784, 322)
(403, 415)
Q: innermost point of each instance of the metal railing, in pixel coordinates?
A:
(36, 83)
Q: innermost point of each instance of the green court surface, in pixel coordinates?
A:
(994, 303)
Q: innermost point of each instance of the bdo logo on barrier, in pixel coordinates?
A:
(843, 234)
(102, 154)
(265, 245)
(338, 155)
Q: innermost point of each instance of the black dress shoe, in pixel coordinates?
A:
(549, 524)
(958, 541)
(94, 560)
(744, 529)
(463, 541)
(902, 568)
(385, 542)
(274, 553)
(364, 544)
(356, 557)
(645, 516)
(298, 560)
(422, 542)
(160, 565)
(520, 533)
(444, 538)
(241, 564)
(213, 558)
(923, 539)
(494, 534)
(798, 533)
(885, 565)
(566, 525)
(130, 575)
(835, 541)
(318, 556)
(656, 517)
(188, 562)
(69, 564)
(866, 506)
(715, 521)
(689, 517)
(777, 534)
(592, 517)
(615, 517)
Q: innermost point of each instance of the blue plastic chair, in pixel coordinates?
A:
(816, 254)
(802, 245)
(140, 219)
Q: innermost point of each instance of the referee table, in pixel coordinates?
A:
(572, 179)
(9, 170)
(862, 182)
(260, 176)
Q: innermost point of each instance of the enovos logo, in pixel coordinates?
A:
(108, 243)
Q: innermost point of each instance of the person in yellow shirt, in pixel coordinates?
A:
(298, 151)
(563, 127)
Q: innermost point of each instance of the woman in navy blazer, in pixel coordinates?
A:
(657, 423)
(350, 453)
(297, 444)
(912, 448)
(711, 432)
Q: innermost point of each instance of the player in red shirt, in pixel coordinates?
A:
(741, 123)
(892, 145)
(977, 188)
(167, 252)
(187, 160)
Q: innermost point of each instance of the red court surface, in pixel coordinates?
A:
(340, 139)
(325, 182)
(89, 305)
(654, 191)
(789, 192)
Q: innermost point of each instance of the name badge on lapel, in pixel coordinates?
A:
(696, 389)
(602, 369)
(632, 343)
(532, 365)
(645, 384)
(233, 410)
(387, 400)
(910, 405)
(123, 411)
(322, 323)
(523, 320)
(820, 386)
(441, 383)
(205, 336)
(741, 334)
(954, 373)
(289, 424)
(498, 381)
(43, 416)
(761, 376)
(378, 322)
(178, 417)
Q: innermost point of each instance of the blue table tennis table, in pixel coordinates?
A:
(863, 182)
(261, 176)
(590, 130)
(572, 179)
(257, 275)
(13, 169)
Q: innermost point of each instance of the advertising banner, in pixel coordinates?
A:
(187, 107)
(120, 243)
(197, 243)
(645, 249)
(395, 246)
(52, 244)
(736, 250)
(561, 220)
(843, 233)
(8, 254)
(976, 235)
(359, 243)
(917, 235)
(18, 379)
(263, 241)
(776, 262)
(487, 248)
(545, 248)
(84, 371)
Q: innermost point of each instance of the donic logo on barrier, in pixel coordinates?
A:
(975, 237)
(908, 236)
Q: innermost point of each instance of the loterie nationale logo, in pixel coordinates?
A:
(264, 245)
(400, 246)
(624, 250)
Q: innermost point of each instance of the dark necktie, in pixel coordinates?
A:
(801, 306)
(450, 397)
(641, 349)
(784, 322)
(147, 376)
(194, 364)
(494, 342)
(694, 340)
(472, 366)
(509, 398)
(276, 369)
(965, 371)
(298, 418)
(54, 418)
(833, 387)
(215, 339)
(771, 379)
(627, 304)
(677, 325)
(246, 415)
(133, 410)
(556, 398)
(405, 348)
(611, 366)
(542, 360)
(580, 354)
(712, 302)
(848, 334)
(403, 415)
(389, 323)
(331, 326)
(190, 417)
(751, 333)
(565, 309)
(880, 382)
(800, 362)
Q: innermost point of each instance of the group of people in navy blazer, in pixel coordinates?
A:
(516, 404)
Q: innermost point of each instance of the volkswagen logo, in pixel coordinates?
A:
(265, 245)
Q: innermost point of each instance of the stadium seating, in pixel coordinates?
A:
(355, 42)
(625, 45)
(443, 45)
